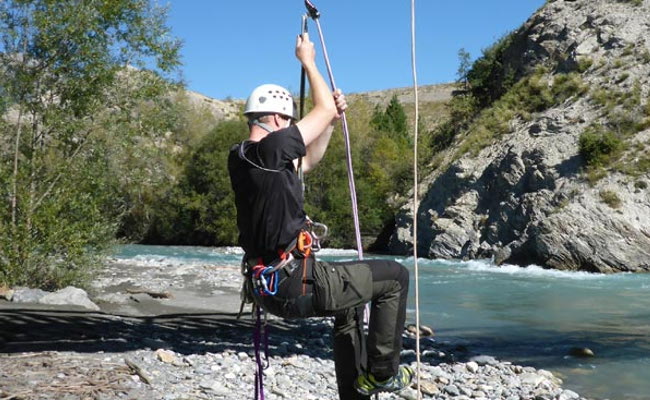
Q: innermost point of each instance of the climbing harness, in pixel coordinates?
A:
(315, 15)
(264, 280)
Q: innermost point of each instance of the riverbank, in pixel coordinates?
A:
(189, 345)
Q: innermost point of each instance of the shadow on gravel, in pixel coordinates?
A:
(29, 330)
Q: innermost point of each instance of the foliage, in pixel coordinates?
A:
(59, 74)
(490, 76)
(382, 161)
(599, 147)
(462, 111)
(610, 198)
(391, 121)
(157, 166)
(607, 147)
(532, 94)
(464, 67)
(200, 209)
(584, 63)
(636, 3)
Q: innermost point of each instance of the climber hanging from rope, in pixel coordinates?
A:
(282, 274)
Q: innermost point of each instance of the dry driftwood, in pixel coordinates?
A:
(155, 295)
(138, 371)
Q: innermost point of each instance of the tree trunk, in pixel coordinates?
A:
(14, 183)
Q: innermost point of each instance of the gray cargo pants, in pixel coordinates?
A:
(389, 282)
(341, 290)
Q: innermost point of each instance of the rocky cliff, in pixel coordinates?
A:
(528, 196)
(220, 109)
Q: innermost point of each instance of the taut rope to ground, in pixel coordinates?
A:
(415, 199)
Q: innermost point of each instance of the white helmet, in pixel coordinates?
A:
(272, 99)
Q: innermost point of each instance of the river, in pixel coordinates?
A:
(529, 316)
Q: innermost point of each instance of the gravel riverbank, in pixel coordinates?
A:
(171, 333)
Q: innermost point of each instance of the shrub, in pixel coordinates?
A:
(610, 198)
(584, 63)
(532, 94)
(645, 56)
(622, 78)
(635, 3)
(598, 147)
(490, 77)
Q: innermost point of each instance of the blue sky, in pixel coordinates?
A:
(232, 46)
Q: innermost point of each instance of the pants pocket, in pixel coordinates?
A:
(341, 286)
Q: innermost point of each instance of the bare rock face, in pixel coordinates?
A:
(525, 199)
(220, 109)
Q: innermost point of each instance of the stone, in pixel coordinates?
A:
(26, 295)
(452, 390)
(69, 296)
(568, 395)
(583, 352)
(472, 366)
(166, 356)
(429, 388)
(484, 360)
(532, 379)
(425, 331)
(6, 293)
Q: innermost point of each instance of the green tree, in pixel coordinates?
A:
(201, 208)
(63, 70)
(157, 164)
(392, 120)
(464, 66)
(386, 167)
(491, 76)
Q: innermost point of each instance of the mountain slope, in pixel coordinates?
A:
(541, 185)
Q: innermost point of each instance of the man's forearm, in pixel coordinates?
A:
(316, 150)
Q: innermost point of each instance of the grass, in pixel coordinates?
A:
(584, 63)
(610, 198)
(645, 56)
(532, 94)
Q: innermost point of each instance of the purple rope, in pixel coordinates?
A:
(348, 153)
(257, 341)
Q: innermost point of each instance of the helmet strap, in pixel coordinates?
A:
(262, 125)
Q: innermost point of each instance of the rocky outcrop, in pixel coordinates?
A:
(525, 199)
(220, 109)
(426, 94)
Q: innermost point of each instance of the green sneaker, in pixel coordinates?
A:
(367, 385)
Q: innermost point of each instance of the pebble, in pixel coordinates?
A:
(300, 363)
(310, 374)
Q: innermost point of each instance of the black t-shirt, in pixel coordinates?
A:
(268, 193)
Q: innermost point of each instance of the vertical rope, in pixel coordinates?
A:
(348, 153)
(415, 199)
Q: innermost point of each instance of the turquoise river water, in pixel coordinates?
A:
(529, 316)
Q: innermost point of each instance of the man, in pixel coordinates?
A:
(282, 273)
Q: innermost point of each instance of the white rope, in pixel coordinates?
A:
(415, 200)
